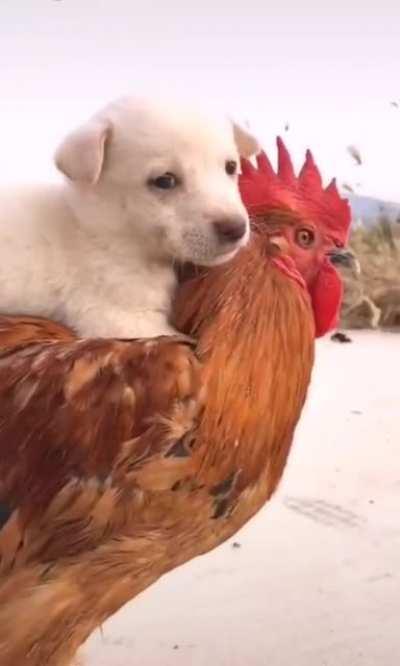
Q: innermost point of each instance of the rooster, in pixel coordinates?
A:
(121, 460)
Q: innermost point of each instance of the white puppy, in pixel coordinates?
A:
(146, 185)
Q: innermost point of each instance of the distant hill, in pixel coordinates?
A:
(369, 208)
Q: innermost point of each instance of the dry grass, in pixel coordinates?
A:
(378, 250)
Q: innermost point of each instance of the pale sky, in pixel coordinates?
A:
(329, 69)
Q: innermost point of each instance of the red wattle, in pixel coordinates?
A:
(326, 297)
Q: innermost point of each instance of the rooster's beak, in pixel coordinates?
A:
(345, 259)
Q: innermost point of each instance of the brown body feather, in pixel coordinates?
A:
(121, 460)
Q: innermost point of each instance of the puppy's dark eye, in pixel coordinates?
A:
(305, 238)
(230, 167)
(165, 182)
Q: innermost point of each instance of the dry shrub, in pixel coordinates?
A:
(378, 249)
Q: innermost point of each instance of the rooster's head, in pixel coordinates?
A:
(308, 223)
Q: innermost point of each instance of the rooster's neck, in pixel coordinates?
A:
(256, 336)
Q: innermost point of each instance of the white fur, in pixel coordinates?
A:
(97, 251)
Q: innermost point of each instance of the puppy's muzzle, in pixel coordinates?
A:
(230, 230)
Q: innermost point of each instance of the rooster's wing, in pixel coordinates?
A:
(94, 437)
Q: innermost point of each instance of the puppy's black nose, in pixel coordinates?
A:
(231, 229)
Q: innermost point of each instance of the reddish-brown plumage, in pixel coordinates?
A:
(255, 328)
(121, 460)
(116, 465)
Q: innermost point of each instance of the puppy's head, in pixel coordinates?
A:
(164, 174)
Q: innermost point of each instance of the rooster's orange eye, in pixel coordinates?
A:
(305, 238)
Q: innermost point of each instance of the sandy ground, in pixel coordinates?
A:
(316, 579)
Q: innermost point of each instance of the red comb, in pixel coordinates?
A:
(262, 189)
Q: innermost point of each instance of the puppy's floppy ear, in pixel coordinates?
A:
(247, 144)
(80, 156)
